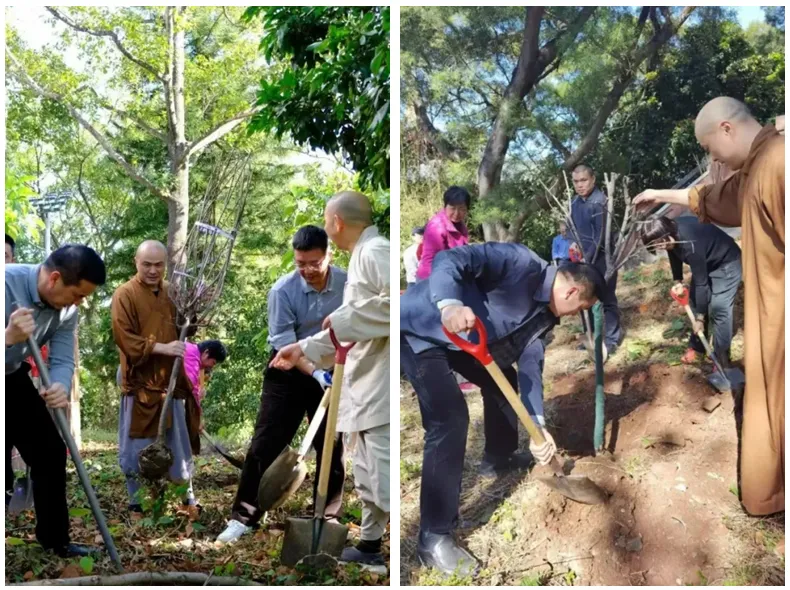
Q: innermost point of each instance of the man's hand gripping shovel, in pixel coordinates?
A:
(576, 487)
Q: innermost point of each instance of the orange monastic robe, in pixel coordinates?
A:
(754, 198)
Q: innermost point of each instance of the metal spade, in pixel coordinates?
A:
(287, 472)
(576, 487)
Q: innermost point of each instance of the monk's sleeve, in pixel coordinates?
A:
(367, 318)
(718, 203)
(774, 182)
(125, 331)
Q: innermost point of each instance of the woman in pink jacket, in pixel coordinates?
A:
(446, 229)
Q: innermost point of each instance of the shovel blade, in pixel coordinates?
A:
(732, 380)
(578, 488)
(298, 540)
(23, 496)
(155, 461)
(280, 480)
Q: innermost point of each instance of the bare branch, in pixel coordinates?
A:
(219, 131)
(24, 78)
(112, 35)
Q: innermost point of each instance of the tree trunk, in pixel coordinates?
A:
(532, 63)
(178, 203)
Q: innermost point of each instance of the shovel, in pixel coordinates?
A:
(576, 487)
(313, 536)
(287, 472)
(59, 416)
(727, 378)
(22, 498)
(155, 459)
(223, 451)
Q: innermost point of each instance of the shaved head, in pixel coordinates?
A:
(151, 247)
(352, 207)
(726, 129)
(150, 261)
(346, 216)
(719, 110)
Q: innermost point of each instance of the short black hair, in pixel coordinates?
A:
(585, 167)
(216, 350)
(457, 195)
(654, 230)
(418, 231)
(10, 241)
(310, 237)
(75, 263)
(586, 275)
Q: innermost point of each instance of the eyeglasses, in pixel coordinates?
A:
(310, 265)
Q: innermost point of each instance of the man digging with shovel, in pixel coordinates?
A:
(299, 302)
(363, 318)
(47, 310)
(519, 298)
(715, 262)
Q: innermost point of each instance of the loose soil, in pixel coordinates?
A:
(673, 518)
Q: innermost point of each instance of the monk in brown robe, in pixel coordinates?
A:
(144, 326)
(753, 198)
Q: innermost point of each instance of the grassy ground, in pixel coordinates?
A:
(674, 516)
(169, 539)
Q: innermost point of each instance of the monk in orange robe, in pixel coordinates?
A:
(753, 198)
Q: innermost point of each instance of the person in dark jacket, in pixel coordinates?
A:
(715, 262)
(519, 298)
(588, 211)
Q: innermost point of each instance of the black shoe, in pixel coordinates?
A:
(135, 508)
(443, 553)
(72, 550)
(491, 467)
(354, 555)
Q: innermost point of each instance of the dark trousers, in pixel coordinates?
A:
(287, 396)
(613, 333)
(445, 418)
(723, 286)
(30, 428)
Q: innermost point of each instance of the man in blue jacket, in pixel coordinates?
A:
(560, 246)
(519, 298)
(588, 211)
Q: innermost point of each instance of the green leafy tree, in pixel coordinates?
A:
(333, 88)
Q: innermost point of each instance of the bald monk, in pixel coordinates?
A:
(753, 198)
(144, 326)
(364, 318)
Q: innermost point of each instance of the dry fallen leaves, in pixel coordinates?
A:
(72, 570)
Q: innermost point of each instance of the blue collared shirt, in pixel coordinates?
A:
(296, 310)
(506, 285)
(53, 326)
(560, 247)
(589, 217)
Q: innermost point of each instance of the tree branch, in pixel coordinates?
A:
(24, 78)
(112, 35)
(220, 130)
(134, 118)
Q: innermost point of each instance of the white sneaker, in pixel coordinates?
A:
(233, 532)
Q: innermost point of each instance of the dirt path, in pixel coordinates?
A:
(674, 516)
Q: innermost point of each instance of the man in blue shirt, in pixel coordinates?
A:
(519, 298)
(298, 304)
(588, 211)
(49, 295)
(560, 246)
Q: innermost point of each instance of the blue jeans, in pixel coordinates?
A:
(723, 285)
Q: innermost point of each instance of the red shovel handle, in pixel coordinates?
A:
(683, 298)
(480, 350)
(341, 352)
